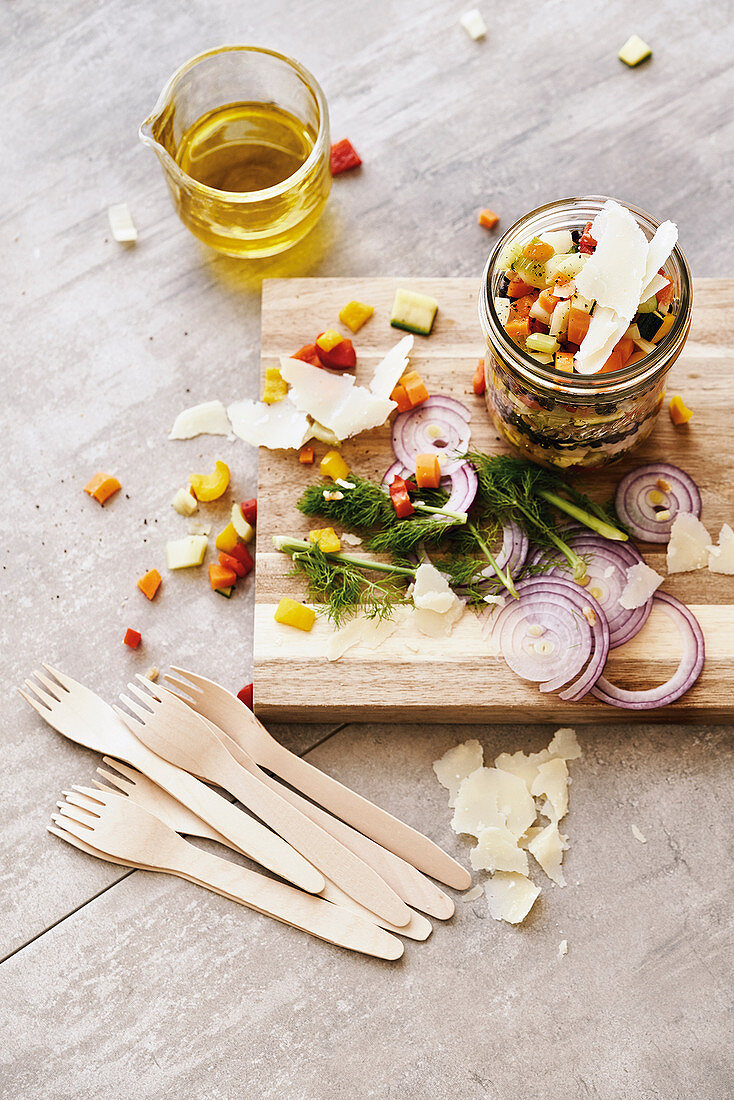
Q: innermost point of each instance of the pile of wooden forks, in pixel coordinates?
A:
(348, 871)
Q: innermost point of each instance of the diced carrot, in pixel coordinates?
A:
(415, 388)
(308, 354)
(488, 219)
(221, 576)
(518, 329)
(517, 288)
(626, 347)
(149, 583)
(564, 361)
(679, 413)
(521, 306)
(479, 381)
(245, 695)
(306, 456)
(547, 301)
(538, 251)
(638, 355)
(614, 362)
(578, 325)
(427, 471)
(102, 486)
(132, 638)
(400, 397)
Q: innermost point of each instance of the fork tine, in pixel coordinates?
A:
(123, 769)
(117, 781)
(65, 681)
(42, 709)
(77, 813)
(53, 689)
(197, 682)
(143, 696)
(152, 689)
(140, 713)
(75, 798)
(42, 694)
(90, 793)
(183, 689)
(104, 787)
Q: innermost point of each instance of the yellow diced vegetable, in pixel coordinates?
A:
(245, 530)
(333, 465)
(326, 538)
(211, 486)
(329, 339)
(184, 503)
(634, 51)
(275, 387)
(355, 314)
(291, 613)
(679, 412)
(186, 552)
(227, 539)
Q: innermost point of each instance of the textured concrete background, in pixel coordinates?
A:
(127, 985)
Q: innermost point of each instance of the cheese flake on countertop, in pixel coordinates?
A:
(563, 745)
(361, 630)
(280, 426)
(209, 418)
(552, 781)
(642, 581)
(490, 797)
(456, 764)
(510, 896)
(638, 835)
(688, 548)
(391, 369)
(497, 850)
(547, 848)
(562, 948)
(474, 893)
(721, 557)
(121, 223)
(474, 24)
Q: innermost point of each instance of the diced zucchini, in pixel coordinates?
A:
(413, 312)
(559, 318)
(649, 306)
(539, 314)
(509, 255)
(226, 592)
(186, 552)
(539, 341)
(502, 307)
(569, 265)
(560, 240)
(648, 324)
(634, 51)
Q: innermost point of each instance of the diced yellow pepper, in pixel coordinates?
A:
(275, 387)
(210, 486)
(355, 314)
(291, 613)
(326, 538)
(227, 539)
(333, 465)
(329, 339)
(679, 412)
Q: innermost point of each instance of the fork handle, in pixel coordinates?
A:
(286, 904)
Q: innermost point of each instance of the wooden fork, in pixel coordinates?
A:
(227, 712)
(117, 826)
(79, 714)
(177, 733)
(172, 813)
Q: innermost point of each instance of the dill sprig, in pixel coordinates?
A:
(366, 504)
(406, 536)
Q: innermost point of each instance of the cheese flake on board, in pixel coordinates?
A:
(642, 581)
(456, 764)
(490, 797)
(209, 418)
(333, 399)
(547, 848)
(721, 557)
(361, 631)
(497, 850)
(437, 608)
(510, 896)
(391, 369)
(552, 781)
(279, 427)
(688, 548)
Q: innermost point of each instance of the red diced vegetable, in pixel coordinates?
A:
(665, 297)
(308, 355)
(343, 157)
(243, 555)
(231, 562)
(249, 511)
(517, 288)
(306, 456)
(132, 638)
(341, 356)
(479, 381)
(400, 499)
(245, 695)
(586, 241)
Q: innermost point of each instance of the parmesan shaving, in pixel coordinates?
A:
(391, 369)
(497, 850)
(552, 781)
(437, 607)
(547, 849)
(334, 400)
(642, 581)
(456, 764)
(638, 835)
(688, 548)
(209, 418)
(474, 893)
(721, 557)
(278, 426)
(121, 223)
(562, 948)
(614, 273)
(349, 539)
(360, 630)
(490, 797)
(510, 896)
(659, 249)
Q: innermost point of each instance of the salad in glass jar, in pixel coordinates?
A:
(585, 305)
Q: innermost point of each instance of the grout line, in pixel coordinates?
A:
(331, 733)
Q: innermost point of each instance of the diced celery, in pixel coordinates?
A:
(569, 265)
(539, 341)
(532, 272)
(649, 306)
(634, 51)
(542, 357)
(509, 255)
(560, 240)
(187, 552)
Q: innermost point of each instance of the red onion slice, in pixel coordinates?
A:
(461, 485)
(413, 433)
(546, 637)
(641, 514)
(514, 551)
(685, 676)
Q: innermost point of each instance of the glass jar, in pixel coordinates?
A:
(574, 420)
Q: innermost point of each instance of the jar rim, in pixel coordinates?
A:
(645, 370)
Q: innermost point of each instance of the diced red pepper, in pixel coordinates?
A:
(341, 357)
(245, 695)
(400, 499)
(243, 556)
(479, 381)
(249, 511)
(521, 306)
(229, 561)
(586, 241)
(343, 157)
(308, 355)
(132, 638)
(665, 296)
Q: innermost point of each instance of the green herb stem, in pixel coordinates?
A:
(593, 522)
(294, 547)
(456, 517)
(503, 576)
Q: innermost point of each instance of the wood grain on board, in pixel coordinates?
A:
(457, 679)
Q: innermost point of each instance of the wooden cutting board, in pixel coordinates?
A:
(454, 679)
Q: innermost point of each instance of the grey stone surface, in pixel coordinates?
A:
(154, 988)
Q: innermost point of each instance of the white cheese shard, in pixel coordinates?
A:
(437, 607)
(642, 581)
(209, 418)
(529, 836)
(391, 369)
(333, 399)
(121, 223)
(656, 284)
(280, 426)
(562, 948)
(659, 249)
(721, 557)
(638, 835)
(547, 849)
(517, 763)
(613, 275)
(563, 745)
(362, 631)
(474, 893)
(552, 781)
(497, 850)
(490, 797)
(688, 545)
(510, 896)
(349, 539)
(474, 24)
(605, 330)
(200, 528)
(456, 764)
(184, 503)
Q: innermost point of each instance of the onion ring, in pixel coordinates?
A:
(411, 436)
(652, 520)
(461, 485)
